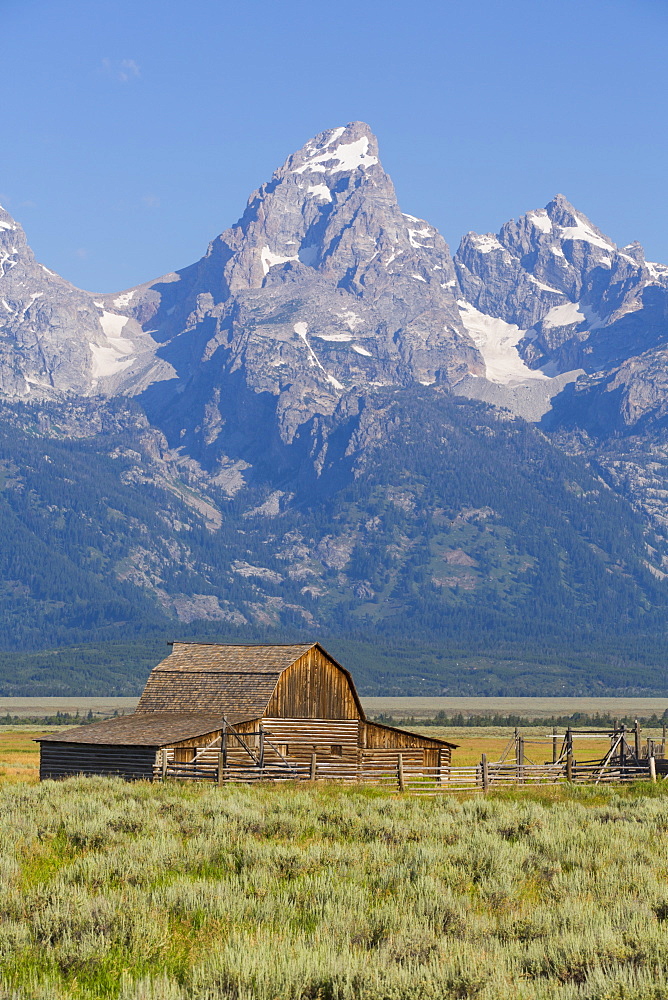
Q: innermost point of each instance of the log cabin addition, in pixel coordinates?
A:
(258, 710)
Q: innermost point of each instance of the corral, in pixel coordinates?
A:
(243, 712)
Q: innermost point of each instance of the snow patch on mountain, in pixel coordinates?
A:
(110, 360)
(541, 220)
(658, 272)
(544, 287)
(581, 231)
(570, 313)
(112, 323)
(270, 259)
(426, 231)
(486, 243)
(319, 191)
(351, 319)
(497, 342)
(123, 300)
(345, 157)
(301, 329)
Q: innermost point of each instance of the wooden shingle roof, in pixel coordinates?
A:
(236, 681)
(211, 657)
(154, 730)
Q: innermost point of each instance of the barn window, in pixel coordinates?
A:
(337, 750)
(283, 749)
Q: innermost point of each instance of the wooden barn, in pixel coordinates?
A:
(259, 711)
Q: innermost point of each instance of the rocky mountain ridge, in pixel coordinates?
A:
(240, 411)
(325, 286)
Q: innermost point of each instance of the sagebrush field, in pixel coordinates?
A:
(170, 892)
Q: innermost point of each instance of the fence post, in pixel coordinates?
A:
(485, 772)
(400, 772)
(164, 763)
(622, 754)
(569, 765)
(652, 768)
(220, 775)
(519, 756)
(555, 752)
(314, 765)
(636, 734)
(261, 754)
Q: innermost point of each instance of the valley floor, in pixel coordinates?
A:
(172, 892)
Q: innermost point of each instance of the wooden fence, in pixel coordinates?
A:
(411, 778)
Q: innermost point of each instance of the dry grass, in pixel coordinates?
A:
(19, 754)
(45, 706)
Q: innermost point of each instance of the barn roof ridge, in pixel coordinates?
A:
(216, 670)
(244, 645)
(235, 677)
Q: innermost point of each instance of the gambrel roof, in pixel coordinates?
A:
(236, 681)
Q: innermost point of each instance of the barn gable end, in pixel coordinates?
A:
(315, 686)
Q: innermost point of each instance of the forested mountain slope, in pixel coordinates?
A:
(433, 521)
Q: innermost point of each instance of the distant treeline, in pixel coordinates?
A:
(59, 719)
(578, 720)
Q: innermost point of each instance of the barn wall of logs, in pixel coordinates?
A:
(62, 760)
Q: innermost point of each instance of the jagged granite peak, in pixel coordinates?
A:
(571, 296)
(56, 339)
(541, 260)
(323, 286)
(549, 254)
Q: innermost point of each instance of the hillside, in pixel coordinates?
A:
(435, 532)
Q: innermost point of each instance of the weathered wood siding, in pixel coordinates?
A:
(346, 741)
(388, 758)
(198, 741)
(376, 735)
(412, 756)
(381, 743)
(323, 737)
(313, 688)
(61, 760)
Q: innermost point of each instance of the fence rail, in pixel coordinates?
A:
(412, 778)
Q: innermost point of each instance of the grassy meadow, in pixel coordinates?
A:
(173, 892)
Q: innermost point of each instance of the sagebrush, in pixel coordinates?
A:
(193, 893)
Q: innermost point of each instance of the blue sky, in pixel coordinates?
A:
(133, 133)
